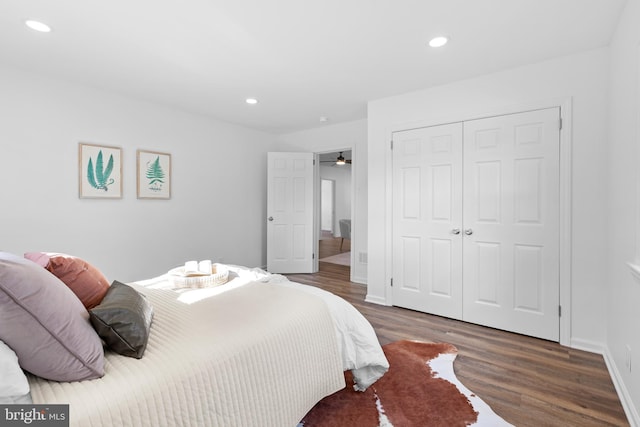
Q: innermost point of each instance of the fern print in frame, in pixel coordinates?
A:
(100, 171)
(100, 178)
(154, 175)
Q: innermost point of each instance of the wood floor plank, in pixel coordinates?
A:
(527, 381)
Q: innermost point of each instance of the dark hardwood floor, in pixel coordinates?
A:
(527, 381)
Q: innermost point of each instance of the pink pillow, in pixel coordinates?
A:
(45, 323)
(86, 281)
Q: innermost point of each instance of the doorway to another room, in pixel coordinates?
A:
(334, 244)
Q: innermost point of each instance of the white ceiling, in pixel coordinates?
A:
(300, 59)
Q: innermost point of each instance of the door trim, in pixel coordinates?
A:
(566, 137)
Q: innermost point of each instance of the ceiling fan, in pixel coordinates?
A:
(340, 160)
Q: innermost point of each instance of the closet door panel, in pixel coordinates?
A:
(427, 217)
(511, 219)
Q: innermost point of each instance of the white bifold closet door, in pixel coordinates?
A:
(427, 220)
(476, 221)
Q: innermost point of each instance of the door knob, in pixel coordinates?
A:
(455, 231)
(468, 232)
(270, 218)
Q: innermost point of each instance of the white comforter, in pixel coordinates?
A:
(286, 351)
(357, 341)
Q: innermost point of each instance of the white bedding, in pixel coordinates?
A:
(357, 341)
(257, 351)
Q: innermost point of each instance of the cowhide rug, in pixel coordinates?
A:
(419, 390)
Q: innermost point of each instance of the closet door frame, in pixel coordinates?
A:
(565, 106)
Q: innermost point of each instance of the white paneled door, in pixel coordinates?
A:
(290, 212)
(427, 212)
(476, 221)
(511, 222)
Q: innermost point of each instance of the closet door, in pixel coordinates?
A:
(427, 220)
(511, 222)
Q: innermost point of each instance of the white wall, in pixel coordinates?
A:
(341, 175)
(338, 137)
(582, 78)
(218, 202)
(622, 291)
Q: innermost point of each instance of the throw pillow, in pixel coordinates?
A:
(85, 280)
(45, 323)
(13, 382)
(123, 320)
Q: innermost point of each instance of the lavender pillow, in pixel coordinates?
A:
(46, 325)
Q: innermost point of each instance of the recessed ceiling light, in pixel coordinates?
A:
(324, 119)
(251, 101)
(438, 41)
(38, 26)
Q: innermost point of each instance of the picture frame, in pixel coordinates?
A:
(99, 171)
(153, 174)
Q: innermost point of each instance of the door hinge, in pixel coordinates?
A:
(560, 124)
(391, 144)
(392, 282)
(559, 311)
(314, 162)
(313, 256)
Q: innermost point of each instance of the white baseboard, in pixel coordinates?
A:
(625, 399)
(375, 300)
(586, 345)
(623, 394)
(359, 280)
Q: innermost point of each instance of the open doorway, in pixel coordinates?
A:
(335, 209)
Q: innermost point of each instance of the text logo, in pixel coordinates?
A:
(34, 415)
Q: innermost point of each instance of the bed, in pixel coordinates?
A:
(258, 350)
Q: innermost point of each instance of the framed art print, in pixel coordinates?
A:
(99, 171)
(154, 175)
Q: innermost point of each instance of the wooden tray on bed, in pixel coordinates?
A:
(219, 276)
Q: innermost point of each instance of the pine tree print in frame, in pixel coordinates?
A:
(99, 171)
(154, 175)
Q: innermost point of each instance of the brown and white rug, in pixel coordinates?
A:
(419, 390)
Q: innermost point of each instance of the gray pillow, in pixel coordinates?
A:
(45, 324)
(123, 320)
